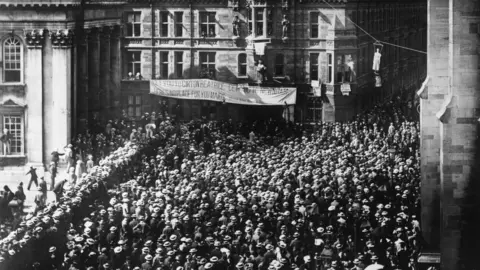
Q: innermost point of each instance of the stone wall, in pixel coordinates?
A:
(449, 131)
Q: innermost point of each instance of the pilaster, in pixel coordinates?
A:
(115, 67)
(105, 97)
(62, 41)
(94, 71)
(34, 96)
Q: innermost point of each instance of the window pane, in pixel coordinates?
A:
(242, 64)
(136, 30)
(138, 100)
(203, 57)
(15, 127)
(178, 57)
(211, 17)
(211, 57)
(314, 17)
(259, 14)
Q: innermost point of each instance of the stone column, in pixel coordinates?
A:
(93, 73)
(431, 101)
(34, 96)
(82, 88)
(104, 39)
(62, 87)
(115, 68)
(459, 143)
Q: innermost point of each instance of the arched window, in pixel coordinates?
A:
(12, 60)
(242, 64)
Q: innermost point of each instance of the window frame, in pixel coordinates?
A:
(242, 65)
(135, 105)
(279, 65)
(313, 66)
(261, 22)
(132, 64)
(164, 25)
(164, 58)
(178, 64)
(207, 23)
(13, 61)
(330, 72)
(131, 25)
(178, 23)
(314, 25)
(208, 64)
(21, 139)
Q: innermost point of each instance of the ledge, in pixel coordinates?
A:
(12, 160)
(444, 114)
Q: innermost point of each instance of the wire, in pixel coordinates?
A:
(387, 43)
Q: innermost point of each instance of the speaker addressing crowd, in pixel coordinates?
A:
(225, 195)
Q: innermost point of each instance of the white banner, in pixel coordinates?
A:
(205, 89)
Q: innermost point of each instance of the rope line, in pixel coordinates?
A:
(376, 40)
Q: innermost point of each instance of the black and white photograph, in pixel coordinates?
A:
(239, 134)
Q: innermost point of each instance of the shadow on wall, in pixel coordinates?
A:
(470, 216)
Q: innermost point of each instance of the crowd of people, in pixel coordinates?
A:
(223, 195)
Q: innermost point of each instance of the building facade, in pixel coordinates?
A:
(450, 129)
(40, 56)
(67, 64)
(312, 45)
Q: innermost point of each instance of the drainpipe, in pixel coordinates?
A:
(153, 39)
(295, 41)
(191, 39)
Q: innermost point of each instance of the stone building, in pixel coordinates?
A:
(67, 64)
(450, 111)
(321, 51)
(40, 82)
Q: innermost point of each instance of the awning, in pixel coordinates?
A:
(260, 48)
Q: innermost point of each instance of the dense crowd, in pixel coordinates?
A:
(222, 195)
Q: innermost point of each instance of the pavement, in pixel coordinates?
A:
(13, 177)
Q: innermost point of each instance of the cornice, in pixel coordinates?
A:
(39, 3)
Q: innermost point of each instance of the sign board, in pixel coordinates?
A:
(345, 89)
(205, 89)
(317, 91)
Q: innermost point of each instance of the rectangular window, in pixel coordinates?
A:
(260, 21)
(14, 125)
(250, 21)
(134, 63)
(207, 65)
(164, 23)
(134, 24)
(179, 24)
(340, 69)
(314, 24)
(134, 105)
(270, 22)
(164, 65)
(207, 24)
(330, 67)
(314, 66)
(179, 65)
(242, 64)
(279, 65)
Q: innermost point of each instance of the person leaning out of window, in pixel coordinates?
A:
(6, 139)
